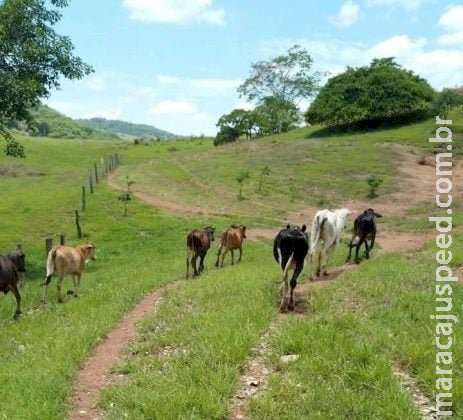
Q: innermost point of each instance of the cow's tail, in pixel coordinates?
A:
(317, 227)
(50, 266)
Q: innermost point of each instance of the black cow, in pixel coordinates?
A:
(12, 270)
(364, 230)
(290, 248)
(198, 243)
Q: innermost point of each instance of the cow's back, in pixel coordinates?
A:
(68, 260)
(232, 238)
(198, 241)
(290, 241)
(8, 272)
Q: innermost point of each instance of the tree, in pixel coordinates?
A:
(371, 95)
(226, 135)
(241, 120)
(33, 57)
(243, 176)
(276, 115)
(287, 77)
(446, 100)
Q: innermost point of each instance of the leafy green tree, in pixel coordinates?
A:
(276, 115)
(371, 95)
(243, 176)
(288, 77)
(226, 134)
(239, 119)
(446, 100)
(33, 57)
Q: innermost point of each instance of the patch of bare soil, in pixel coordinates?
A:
(95, 374)
(423, 403)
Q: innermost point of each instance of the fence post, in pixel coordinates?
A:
(79, 231)
(48, 246)
(62, 239)
(83, 197)
(90, 181)
(96, 173)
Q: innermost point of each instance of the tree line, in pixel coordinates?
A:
(368, 96)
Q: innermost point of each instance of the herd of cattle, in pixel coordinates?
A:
(291, 248)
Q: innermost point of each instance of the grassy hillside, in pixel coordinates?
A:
(51, 123)
(355, 330)
(127, 128)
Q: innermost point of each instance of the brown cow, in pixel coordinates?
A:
(65, 260)
(198, 243)
(232, 238)
(12, 270)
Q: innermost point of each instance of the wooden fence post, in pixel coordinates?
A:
(48, 246)
(83, 198)
(90, 181)
(96, 173)
(79, 231)
(62, 239)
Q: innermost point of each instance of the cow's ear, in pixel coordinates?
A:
(377, 215)
(288, 226)
(304, 227)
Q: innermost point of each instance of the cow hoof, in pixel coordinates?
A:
(60, 301)
(291, 307)
(70, 292)
(16, 315)
(357, 261)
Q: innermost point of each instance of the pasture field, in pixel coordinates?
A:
(352, 335)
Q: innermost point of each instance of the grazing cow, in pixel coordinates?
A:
(198, 243)
(64, 260)
(232, 238)
(327, 227)
(12, 271)
(290, 248)
(364, 230)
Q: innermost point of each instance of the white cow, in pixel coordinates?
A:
(327, 228)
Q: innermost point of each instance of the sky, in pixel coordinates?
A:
(176, 64)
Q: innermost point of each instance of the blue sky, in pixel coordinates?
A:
(176, 64)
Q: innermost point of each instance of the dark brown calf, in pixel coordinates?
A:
(12, 269)
(364, 230)
(232, 238)
(198, 243)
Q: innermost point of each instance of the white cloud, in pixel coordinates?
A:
(247, 106)
(175, 11)
(397, 46)
(452, 24)
(347, 15)
(173, 107)
(408, 5)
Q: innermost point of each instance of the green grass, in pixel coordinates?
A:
(355, 329)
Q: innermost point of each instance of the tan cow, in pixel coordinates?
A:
(232, 238)
(64, 260)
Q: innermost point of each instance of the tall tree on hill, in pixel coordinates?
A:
(33, 57)
(278, 85)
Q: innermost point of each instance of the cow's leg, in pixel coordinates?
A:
(320, 260)
(329, 251)
(223, 255)
(241, 253)
(367, 249)
(76, 279)
(193, 263)
(58, 288)
(187, 266)
(373, 237)
(350, 251)
(218, 256)
(14, 289)
(284, 284)
(201, 262)
(357, 249)
(293, 284)
(233, 256)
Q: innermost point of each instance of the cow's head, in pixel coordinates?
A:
(89, 251)
(242, 229)
(19, 260)
(371, 211)
(210, 232)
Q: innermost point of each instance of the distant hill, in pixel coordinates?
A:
(51, 123)
(127, 128)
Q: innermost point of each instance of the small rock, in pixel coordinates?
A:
(289, 358)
